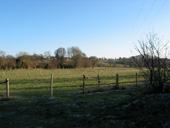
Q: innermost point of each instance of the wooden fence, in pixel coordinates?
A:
(98, 79)
(116, 84)
(7, 87)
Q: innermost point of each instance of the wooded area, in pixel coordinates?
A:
(72, 58)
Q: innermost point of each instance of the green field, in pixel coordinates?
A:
(30, 105)
(26, 84)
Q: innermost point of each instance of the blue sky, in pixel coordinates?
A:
(102, 28)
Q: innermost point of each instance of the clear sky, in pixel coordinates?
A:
(102, 28)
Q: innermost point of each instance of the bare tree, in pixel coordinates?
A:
(153, 61)
(60, 55)
(2, 58)
(47, 54)
(77, 57)
(94, 60)
(2, 54)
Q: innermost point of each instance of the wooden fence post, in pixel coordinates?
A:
(7, 88)
(84, 77)
(117, 81)
(98, 77)
(151, 77)
(136, 79)
(51, 90)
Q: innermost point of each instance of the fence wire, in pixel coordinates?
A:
(130, 80)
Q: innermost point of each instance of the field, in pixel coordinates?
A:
(30, 104)
(26, 84)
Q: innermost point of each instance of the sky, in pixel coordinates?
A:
(101, 28)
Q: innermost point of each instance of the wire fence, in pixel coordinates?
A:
(117, 81)
(82, 85)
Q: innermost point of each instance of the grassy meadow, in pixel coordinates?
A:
(27, 84)
(30, 104)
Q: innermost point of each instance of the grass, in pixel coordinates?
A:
(29, 104)
(28, 83)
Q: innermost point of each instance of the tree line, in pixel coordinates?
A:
(72, 58)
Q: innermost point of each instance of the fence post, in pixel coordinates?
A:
(98, 77)
(84, 77)
(51, 90)
(7, 88)
(117, 81)
(136, 79)
(151, 77)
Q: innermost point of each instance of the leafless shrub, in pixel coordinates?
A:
(153, 61)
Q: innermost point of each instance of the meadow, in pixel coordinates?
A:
(30, 104)
(25, 84)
